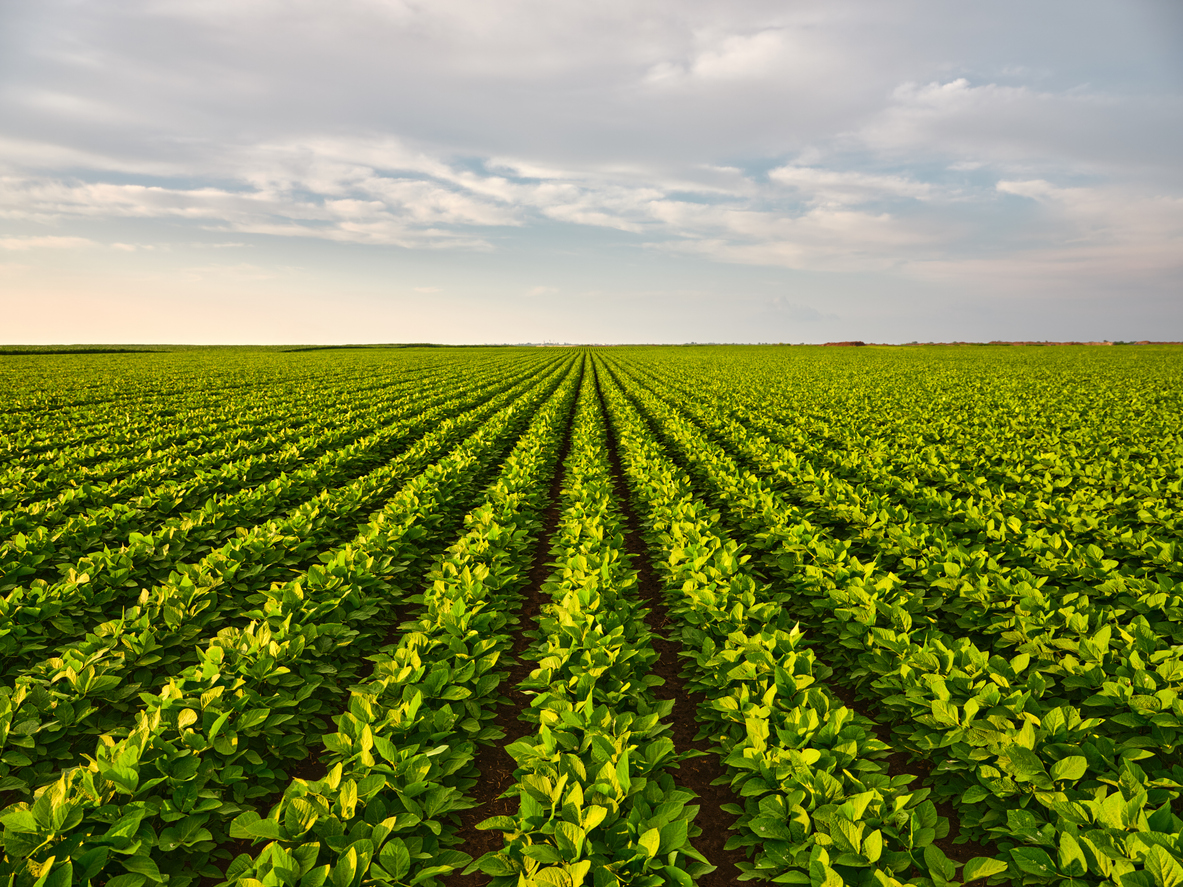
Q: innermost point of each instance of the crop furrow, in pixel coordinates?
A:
(93, 688)
(592, 788)
(817, 794)
(403, 755)
(258, 689)
(101, 586)
(494, 766)
(698, 770)
(1011, 749)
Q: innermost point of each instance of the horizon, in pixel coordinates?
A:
(16, 349)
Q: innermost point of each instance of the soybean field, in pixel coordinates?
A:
(548, 617)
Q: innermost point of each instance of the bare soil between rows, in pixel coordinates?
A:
(698, 774)
(495, 766)
(898, 762)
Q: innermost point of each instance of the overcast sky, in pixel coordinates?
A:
(463, 171)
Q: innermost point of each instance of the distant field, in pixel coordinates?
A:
(561, 616)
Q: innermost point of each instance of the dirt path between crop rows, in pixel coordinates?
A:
(839, 683)
(697, 774)
(494, 765)
(497, 768)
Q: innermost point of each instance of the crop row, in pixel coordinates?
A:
(271, 660)
(109, 449)
(106, 441)
(195, 445)
(1009, 741)
(975, 590)
(895, 508)
(594, 792)
(48, 551)
(92, 687)
(818, 802)
(1078, 489)
(402, 756)
(213, 742)
(217, 545)
(151, 555)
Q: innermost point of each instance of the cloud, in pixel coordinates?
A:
(812, 217)
(360, 205)
(1075, 130)
(1076, 239)
(27, 242)
(1103, 230)
(733, 57)
(832, 187)
(849, 139)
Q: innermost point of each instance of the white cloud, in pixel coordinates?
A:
(27, 242)
(734, 57)
(1109, 216)
(842, 187)
(822, 239)
(329, 200)
(740, 56)
(1081, 237)
(812, 217)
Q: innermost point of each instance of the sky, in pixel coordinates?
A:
(290, 171)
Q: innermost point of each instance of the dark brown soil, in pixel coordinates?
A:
(697, 774)
(495, 766)
(310, 769)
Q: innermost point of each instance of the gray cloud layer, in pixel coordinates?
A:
(955, 145)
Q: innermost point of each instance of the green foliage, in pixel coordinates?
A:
(215, 741)
(595, 798)
(1037, 672)
(256, 611)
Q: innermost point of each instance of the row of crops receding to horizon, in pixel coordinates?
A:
(592, 616)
